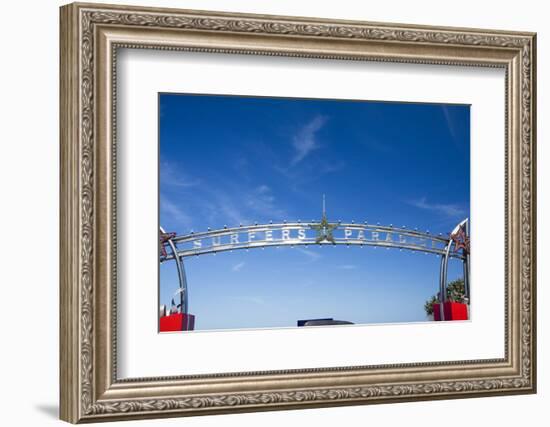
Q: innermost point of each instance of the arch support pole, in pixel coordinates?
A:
(184, 299)
(443, 277)
(183, 291)
(442, 293)
(466, 264)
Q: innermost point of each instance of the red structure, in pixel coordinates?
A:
(177, 322)
(451, 310)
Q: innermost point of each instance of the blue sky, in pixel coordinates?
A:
(230, 160)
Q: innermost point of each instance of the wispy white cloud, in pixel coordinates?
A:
(263, 189)
(261, 201)
(331, 167)
(347, 267)
(451, 210)
(226, 203)
(376, 145)
(250, 299)
(311, 255)
(450, 124)
(227, 209)
(454, 129)
(305, 141)
(171, 176)
(170, 209)
(222, 207)
(231, 205)
(238, 267)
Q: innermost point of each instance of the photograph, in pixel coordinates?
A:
(290, 212)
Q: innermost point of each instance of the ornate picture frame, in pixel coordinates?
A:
(91, 35)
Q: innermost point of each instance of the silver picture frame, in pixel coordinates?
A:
(90, 37)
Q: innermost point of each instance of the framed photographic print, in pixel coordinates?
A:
(264, 212)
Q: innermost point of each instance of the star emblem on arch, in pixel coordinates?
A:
(163, 240)
(324, 229)
(461, 240)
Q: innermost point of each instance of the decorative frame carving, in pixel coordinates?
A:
(90, 36)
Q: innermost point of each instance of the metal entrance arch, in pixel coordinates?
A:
(323, 232)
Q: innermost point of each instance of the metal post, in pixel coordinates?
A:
(442, 293)
(443, 284)
(466, 264)
(184, 298)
